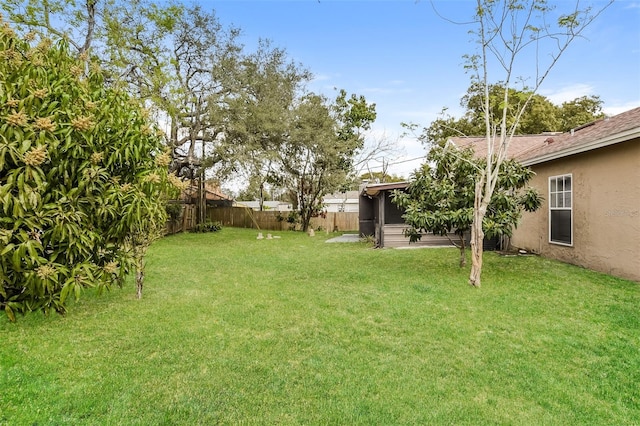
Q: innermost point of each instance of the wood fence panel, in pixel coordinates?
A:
(242, 217)
(186, 221)
(173, 227)
(337, 222)
(188, 217)
(235, 217)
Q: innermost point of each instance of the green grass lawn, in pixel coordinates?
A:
(234, 330)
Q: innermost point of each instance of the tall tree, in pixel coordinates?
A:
(179, 59)
(540, 116)
(506, 32)
(318, 154)
(440, 197)
(260, 113)
(314, 160)
(183, 62)
(579, 112)
(354, 117)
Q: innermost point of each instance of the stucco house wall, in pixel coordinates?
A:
(606, 210)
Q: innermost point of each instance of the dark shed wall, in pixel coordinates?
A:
(367, 216)
(392, 213)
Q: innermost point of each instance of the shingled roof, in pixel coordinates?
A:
(535, 149)
(519, 146)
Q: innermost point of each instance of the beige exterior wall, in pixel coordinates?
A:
(606, 211)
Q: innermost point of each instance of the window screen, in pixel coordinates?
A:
(561, 209)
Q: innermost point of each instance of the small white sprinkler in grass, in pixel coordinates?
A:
(312, 232)
(260, 236)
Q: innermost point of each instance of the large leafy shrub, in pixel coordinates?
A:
(82, 176)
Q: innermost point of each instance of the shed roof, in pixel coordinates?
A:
(374, 189)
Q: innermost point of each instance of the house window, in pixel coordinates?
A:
(561, 210)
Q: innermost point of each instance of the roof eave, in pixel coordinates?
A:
(374, 189)
(598, 143)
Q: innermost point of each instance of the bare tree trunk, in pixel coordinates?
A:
(477, 234)
(261, 200)
(91, 24)
(139, 283)
(305, 220)
(139, 275)
(203, 199)
(463, 257)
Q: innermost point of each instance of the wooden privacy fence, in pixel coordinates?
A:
(185, 222)
(336, 221)
(242, 217)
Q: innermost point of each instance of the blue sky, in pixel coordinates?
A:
(408, 61)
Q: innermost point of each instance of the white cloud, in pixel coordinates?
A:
(619, 108)
(568, 93)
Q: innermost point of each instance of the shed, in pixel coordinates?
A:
(382, 219)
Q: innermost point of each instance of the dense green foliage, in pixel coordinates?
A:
(229, 113)
(82, 176)
(539, 116)
(184, 63)
(440, 197)
(294, 331)
(259, 120)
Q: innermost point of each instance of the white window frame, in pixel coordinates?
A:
(553, 203)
